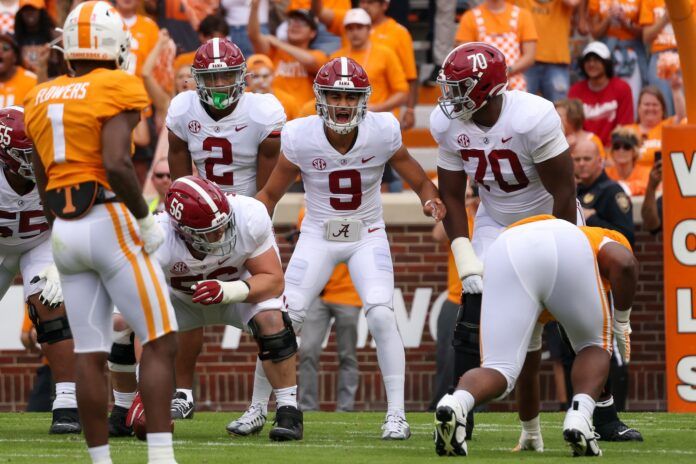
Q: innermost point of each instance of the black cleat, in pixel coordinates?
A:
(117, 423)
(617, 431)
(65, 420)
(287, 424)
(181, 408)
(470, 425)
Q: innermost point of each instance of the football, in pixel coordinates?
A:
(136, 417)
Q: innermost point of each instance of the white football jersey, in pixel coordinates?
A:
(502, 159)
(342, 186)
(22, 222)
(226, 151)
(254, 237)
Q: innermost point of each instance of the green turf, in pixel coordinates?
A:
(349, 437)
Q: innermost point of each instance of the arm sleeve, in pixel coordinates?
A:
(467, 29)
(286, 146)
(271, 115)
(127, 94)
(395, 141)
(449, 160)
(261, 228)
(172, 120)
(550, 141)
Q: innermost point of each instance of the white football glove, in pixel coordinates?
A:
(622, 333)
(150, 233)
(52, 294)
(469, 267)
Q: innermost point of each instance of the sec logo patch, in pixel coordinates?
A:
(319, 164)
(194, 127)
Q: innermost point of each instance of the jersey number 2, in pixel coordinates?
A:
(226, 149)
(494, 158)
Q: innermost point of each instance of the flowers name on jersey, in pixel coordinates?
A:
(22, 221)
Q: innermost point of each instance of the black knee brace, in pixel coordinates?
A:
(123, 354)
(279, 346)
(467, 354)
(53, 331)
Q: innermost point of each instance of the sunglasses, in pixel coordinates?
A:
(622, 146)
(162, 175)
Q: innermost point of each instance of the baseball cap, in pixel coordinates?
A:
(598, 48)
(258, 60)
(305, 15)
(38, 4)
(357, 16)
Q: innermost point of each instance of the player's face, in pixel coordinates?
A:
(260, 80)
(299, 31)
(375, 8)
(183, 80)
(342, 105)
(7, 57)
(650, 111)
(594, 66)
(357, 35)
(220, 79)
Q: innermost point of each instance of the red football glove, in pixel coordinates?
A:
(207, 292)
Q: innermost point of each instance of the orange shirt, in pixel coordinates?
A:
(650, 12)
(552, 21)
(395, 36)
(185, 59)
(291, 77)
(496, 24)
(651, 142)
(289, 103)
(64, 118)
(382, 67)
(14, 90)
(631, 11)
(308, 109)
(144, 34)
(635, 183)
(342, 5)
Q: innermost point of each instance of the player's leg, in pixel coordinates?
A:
(527, 396)
(346, 326)
(371, 270)
(124, 384)
(315, 325)
(190, 346)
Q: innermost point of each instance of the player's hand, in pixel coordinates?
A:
(435, 208)
(622, 333)
(472, 284)
(150, 233)
(469, 266)
(52, 294)
(209, 292)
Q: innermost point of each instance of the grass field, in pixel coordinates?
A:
(350, 438)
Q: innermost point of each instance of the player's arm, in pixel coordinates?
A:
(267, 158)
(282, 177)
(179, 157)
(41, 181)
(453, 193)
(412, 172)
(556, 174)
(266, 279)
(259, 41)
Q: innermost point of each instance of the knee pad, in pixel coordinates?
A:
(535, 341)
(122, 354)
(53, 331)
(278, 346)
(466, 331)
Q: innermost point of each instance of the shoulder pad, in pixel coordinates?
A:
(535, 117)
(265, 109)
(181, 104)
(439, 123)
(256, 219)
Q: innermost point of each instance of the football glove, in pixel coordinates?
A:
(622, 333)
(52, 293)
(150, 233)
(209, 292)
(469, 267)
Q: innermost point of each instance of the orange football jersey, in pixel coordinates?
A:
(64, 118)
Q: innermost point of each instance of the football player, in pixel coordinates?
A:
(25, 248)
(512, 144)
(102, 232)
(341, 153)
(543, 262)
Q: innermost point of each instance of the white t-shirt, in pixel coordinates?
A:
(237, 11)
(502, 159)
(226, 151)
(22, 222)
(342, 186)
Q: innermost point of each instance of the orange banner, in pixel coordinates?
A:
(679, 226)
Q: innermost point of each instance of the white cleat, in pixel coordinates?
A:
(450, 427)
(579, 433)
(395, 427)
(251, 422)
(530, 442)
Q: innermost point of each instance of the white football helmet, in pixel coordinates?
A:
(95, 31)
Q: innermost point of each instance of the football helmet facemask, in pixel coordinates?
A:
(343, 76)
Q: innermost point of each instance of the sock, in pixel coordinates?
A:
(187, 392)
(100, 454)
(390, 354)
(262, 387)
(583, 403)
(160, 448)
(65, 396)
(465, 399)
(286, 396)
(123, 399)
(532, 426)
(605, 412)
(137, 373)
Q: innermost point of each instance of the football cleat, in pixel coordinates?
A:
(530, 442)
(117, 423)
(617, 431)
(287, 424)
(251, 422)
(450, 427)
(395, 426)
(65, 420)
(181, 408)
(580, 435)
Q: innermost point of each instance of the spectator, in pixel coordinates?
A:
(550, 74)
(172, 15)
(624, 152)
(658, 35)
(144, 34)
(34, 28)
(236, 13)
(603, 201)
(606, 99)
(573, 118)
(260, 80)
(507, 27)
(615, 22)
(443, 27)
(15, 81)
(161, 180)
(387, 78)
(325, 40)
(295, 64)
(8, 10)
(212, 26)
(651, 211)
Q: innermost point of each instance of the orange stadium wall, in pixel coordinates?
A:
(225, 376)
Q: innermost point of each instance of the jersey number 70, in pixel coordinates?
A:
(494, 158)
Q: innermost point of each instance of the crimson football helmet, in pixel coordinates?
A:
(342, 75)
(15, 145)
(471, 75)
(219, 69)
(202, 215)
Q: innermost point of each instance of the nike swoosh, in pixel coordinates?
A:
(365, 160)
(506, 140)
(223, 260)
(624, 432)
(369, 231)
(237, 128)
